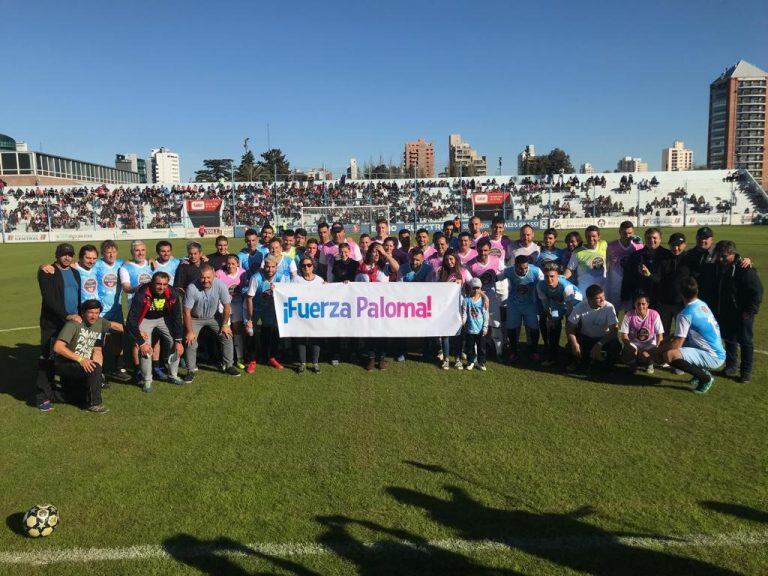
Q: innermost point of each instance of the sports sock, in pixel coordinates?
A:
(698, 373)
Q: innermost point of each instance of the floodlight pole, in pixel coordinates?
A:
(461, 200)
(234, 199)
(549, 212)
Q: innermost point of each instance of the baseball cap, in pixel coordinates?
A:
(475, 283)
(704, 232)
(676, 239)
(337, 227)
(65, 249)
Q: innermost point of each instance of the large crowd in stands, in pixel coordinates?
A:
(125, 207)
(632, 301)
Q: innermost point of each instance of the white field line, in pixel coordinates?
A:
(294, 549)
(20, 328)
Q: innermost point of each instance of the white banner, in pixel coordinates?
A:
(82, 235)
(377, 310)
(26, 237)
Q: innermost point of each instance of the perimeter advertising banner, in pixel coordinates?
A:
(198, 213)
(377, 310)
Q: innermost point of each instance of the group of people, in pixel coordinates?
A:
(689, 309)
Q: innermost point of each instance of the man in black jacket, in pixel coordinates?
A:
(673, 272)
(734, 294)
(60, 293)
(700, 255)
(642, 270)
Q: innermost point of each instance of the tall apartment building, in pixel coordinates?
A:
(352, 173)
(461, 156)
(676, 158)
(165, 166)
(586, 168)
(132, 163)
(737, 128)
(421, 156)
(629, 164)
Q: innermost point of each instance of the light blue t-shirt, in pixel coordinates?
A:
(89, 284)
(109, 288)
(424, 274)
(167, 267)
(475, 314)
(522, 289)
(135, 275)
(560, 300)
(551, 255)
(251, 263)
(698, 326)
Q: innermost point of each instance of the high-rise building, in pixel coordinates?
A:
(676, 158)
(461, 156)
(132, 163)
(629, 164)
(165, 166)
(737, 128)
(352, 170)
(419, 159)
(586, 168)
(524, 156)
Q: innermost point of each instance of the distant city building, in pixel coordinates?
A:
(132, 163)
(352, 173)
(316, 174)
(461, 157)
(676, 158)
(587, 168)
(737, 128)
(629, 164)
(419, 159)
(21, 167)
(165, 166)
(524, 157)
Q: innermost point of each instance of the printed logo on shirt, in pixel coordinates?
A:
(522, 289)
(487, 277)
(157, 304)
(90, 286)
(643, 334)
(110, 280)
(597, 263)
(144, 278)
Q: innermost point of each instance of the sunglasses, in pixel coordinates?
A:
(307, 265)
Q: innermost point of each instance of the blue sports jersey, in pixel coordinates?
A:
(89, 284)
(475, 315)
(167, 267)
(424, 274)
(137, 275)
(263, 300)
(698, 326)
(560, 300)
(550, 255)
(284, 268)
(522, 289)
(251, 263)
(109, 288)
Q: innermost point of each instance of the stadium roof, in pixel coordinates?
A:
(7, 143)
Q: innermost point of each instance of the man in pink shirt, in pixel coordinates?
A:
(475, 230)
(330, 249)
(617, 253)
(500, 244)
(422, 242)
(525, 246)
(465, 251)
(440, 244)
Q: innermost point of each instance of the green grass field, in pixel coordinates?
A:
(409, 471)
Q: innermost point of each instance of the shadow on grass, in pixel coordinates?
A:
(14, 522)
(738, 510)
(19, 366)
(215, 557)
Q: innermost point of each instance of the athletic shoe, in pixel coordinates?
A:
(316, 368)
(440, 356)
(189, 378)
(482, 367)
(301, 368)
(702, 387)
(240, 366)
(731, 372)
(744, 378)
(45, 406)
(649, 369)
(458, 365)
(335, 362)
(98, 409)
(251, 368)
(158, 373)
(400, 358)
(175, 380)
(678, 372)
(232, 371)
(446, 365)
(370, 365)
(274, 363)
(382, 364)
(121, 375)
(471, 366)
(463, 356)
(147, 387)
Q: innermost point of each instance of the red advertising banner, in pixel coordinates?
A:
(203, 205)
(490, 197)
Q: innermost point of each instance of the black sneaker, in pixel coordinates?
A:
(121, 375)
(189, 377)
(315, 368)
(744, 378)
(232, 371)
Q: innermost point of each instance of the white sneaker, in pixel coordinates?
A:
(446, 365)
(482, 367)
(459, 365)
(440, 356)
(471, 366)
(649, 369)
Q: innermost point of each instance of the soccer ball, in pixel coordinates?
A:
(41, 520)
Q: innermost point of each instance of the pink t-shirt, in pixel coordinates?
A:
(487, 271)
(465, 276)
(435, 260)
(465, 258)
(233, 283)
(501, 248)
(642, 332)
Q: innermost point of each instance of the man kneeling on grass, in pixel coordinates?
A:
(696, 347)
(79, 358)
(592, 328)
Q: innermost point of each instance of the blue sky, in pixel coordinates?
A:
(358, 79)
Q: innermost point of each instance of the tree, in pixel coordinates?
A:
(559, 160)
(214, 169)
(249, 170)
(273, 161)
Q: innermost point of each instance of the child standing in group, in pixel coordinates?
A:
(474, 317)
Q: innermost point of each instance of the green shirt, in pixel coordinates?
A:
(82, 338)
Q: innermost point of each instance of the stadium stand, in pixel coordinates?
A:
(565, 196)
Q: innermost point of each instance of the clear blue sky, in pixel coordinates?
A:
(358, 79)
